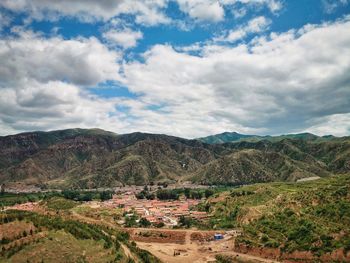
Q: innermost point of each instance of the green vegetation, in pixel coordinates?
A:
(100, 213)
(224, 259)
(87, 159)
(53, 238)
(130, 220)
(307, 216)
(9, 199)
(60, 246)
(59, 203)
(186, 222)
(144, 222)
(86, 195)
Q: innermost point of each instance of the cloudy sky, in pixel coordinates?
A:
(188, 68)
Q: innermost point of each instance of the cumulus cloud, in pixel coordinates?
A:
(43, 83)
(214, 10)
(210, 10)
(50, 105)
(144, 12)
(288, 82)
(81, 61)
(276, 85)
(255, 25)
(148, 12)
(125, 38)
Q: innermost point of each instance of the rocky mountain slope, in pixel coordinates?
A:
(96, 158)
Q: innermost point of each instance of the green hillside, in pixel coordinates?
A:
(309, 216)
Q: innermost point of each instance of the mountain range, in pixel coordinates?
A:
(89, 158)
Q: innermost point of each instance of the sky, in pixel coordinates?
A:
(188, 68)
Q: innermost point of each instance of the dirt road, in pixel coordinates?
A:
(197, 253)
(193, 248)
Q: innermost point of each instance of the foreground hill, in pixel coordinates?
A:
(96, 158)
(299, 222)
(54, 236)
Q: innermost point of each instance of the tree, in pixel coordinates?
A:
(105, 195)
(70, 194)
(208, 193)
(187, 192)
(185, 221)
(159, 225)
(86, 197)
(144, 222)
(130, 221)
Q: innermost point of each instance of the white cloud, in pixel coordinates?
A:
(147, 12)
(125, 38)
(5, 21)
(82, 61)
(294, 81)
(337, 125)
(278, 85)
(54, 105)
(272, 5)
(240, 12)
(331, 5)
(209, 10)
(255, 25)
(43, 83)
(144, 12)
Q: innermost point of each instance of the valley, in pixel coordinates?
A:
(305, 221)
(156, 198)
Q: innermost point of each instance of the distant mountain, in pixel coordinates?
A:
(225, 137)
(88, 158)
(234, 137)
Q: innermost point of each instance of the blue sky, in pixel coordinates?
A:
(183, 67)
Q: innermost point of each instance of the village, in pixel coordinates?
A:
(164, 212)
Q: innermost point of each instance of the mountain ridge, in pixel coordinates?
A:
(84, 158)
(234, 137)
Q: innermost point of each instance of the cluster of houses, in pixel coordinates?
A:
(156, 211)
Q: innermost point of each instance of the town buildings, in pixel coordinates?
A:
(156, 211)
